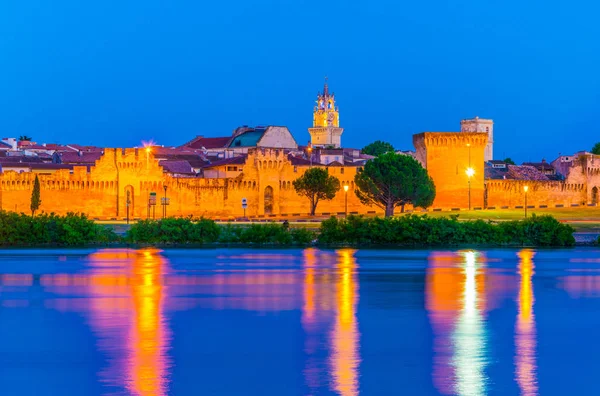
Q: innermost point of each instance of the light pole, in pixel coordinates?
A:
(165, 203)
(346, 187)
(309, 149)
(128, 203)
(525, 188)
(470, 172)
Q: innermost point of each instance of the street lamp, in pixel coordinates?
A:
(165, 203)
(309, 149)
(128, 203)
(470, 172)
(525, 188)
(346, 187)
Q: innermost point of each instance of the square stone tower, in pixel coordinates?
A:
(455, 162)
(481, 125)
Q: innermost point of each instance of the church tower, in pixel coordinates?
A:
(326, 129)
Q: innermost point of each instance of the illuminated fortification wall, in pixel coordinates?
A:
(447, 156)
(511, 193)
(266, 183)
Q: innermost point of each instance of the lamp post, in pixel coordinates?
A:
(470, 172)
(127, 204)
(525, 188)
(309, 149)
(346, 187)
(165, 203)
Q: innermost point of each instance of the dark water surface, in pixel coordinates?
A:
(294, 322)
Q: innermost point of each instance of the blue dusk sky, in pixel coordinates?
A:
(114, 73)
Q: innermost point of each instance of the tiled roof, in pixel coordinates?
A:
(208, 142)
(179, 167)
(79, 147)
(22, 159)
(79, 158)
(239, 160)
(299, 161)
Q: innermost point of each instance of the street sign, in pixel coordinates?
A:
(152, 199)
(244, 203)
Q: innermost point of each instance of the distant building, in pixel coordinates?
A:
(481, 125)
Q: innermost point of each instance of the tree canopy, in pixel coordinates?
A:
(509, 161)
(392, 180)
(596, 149)
(25, 138)
(377, 148)
(316, 185)
(36, 201)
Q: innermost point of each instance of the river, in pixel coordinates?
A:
(299, 322)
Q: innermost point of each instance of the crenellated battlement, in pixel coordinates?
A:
(450, 139)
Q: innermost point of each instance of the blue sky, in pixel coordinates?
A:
(114, 73)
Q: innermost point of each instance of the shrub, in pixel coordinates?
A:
(71, 229)
(413, 230)
(174, 230)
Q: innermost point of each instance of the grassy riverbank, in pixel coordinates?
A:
(402, 231)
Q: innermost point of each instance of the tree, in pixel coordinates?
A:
(377, 148)
(509, 161)
(392, 180)
(25, 138)
(35, 196)
(316, 185)
(596, 149)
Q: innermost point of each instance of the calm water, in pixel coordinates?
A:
(293, 322)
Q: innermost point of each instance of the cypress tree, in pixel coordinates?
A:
(35, 196)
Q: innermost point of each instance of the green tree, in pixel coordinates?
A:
(509, 161)
(25, 138)
(316, 185)
(596, 149)
(36, 201)
(392, 180)
(377, 148)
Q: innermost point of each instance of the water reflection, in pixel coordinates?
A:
(525, 339)
(455, 299)
(127, 311)
(329, 313)
(345, 336)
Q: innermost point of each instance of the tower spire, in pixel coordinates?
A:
(325, 88)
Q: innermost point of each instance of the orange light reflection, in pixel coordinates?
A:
(525, 339)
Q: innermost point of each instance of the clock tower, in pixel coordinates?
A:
(326, 129)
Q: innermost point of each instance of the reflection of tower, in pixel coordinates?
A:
(525, 339)
(481, 125)
(345, 336)
(455, 299)
(326, 129)
(469, 335)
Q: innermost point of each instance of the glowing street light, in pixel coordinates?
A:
(346, 187)
(470, 172)
(309, 149)
(525, 188)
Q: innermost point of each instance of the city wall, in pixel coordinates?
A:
(130, 175)
(267, 184)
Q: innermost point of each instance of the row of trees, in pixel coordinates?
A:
(389, 181)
